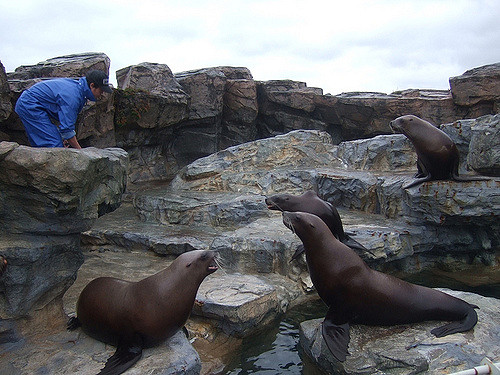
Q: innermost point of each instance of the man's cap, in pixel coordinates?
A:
(100, 79)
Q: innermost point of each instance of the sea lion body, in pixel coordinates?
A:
(357, 294)
(135, 315)
(310, 202)
(437, 155)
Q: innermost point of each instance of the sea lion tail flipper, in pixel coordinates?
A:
(463, 325)
(337, 338)
(73, 323)
(418, 181)
(126, 355)
(300, 249)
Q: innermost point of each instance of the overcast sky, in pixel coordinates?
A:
(340, 46)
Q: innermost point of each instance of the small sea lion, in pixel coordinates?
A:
(310, 202)
(356, 294)
(437, 154)
(136, 315)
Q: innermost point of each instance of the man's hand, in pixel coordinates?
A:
(73, 142)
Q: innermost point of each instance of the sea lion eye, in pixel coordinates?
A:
(188, 265)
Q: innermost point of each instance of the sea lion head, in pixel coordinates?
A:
(303, 224)
(401, 124)
(202, 260)
(279, 202)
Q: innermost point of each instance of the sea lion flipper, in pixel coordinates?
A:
(463, 325)
(73, 323)
(126, 355)
(300, 249)
(337, 338)
(355, 245)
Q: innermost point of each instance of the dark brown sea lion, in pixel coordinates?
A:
(135, 315)
(357, 294)
(310, 202)
(437, 154)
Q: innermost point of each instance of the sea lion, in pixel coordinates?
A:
(357, 294)
(135, 315)
(437, 154)
(310, 202)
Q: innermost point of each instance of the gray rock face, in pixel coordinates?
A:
(484, 148)
(410, 349)
(76, 65)
(477, 85)
(228, 169)
(58, 191)
(40, 270)
(5, 105)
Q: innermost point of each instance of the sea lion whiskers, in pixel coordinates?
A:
(220, 265)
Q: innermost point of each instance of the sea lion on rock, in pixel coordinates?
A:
(437, 154)
(357, 294)
(135, 315)
(310, 202)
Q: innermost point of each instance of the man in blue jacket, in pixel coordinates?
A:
(58, 101)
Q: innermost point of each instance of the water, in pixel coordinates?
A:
(276, 350)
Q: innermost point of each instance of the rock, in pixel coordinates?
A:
(150, 98)
(381, 153)
(285, 106)
(239, 112)
(477, 85)
(364, 115)
(154, 78)
(95, 125)
(237, 304)
(294, 150)
(484, 147)
(71, 66)
(454, 203)
(206, 88)
(40, 269)
(58, 191)
(5, 104)
(410, 349)
(76, 353)
(216, 210)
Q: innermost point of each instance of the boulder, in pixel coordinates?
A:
(253, 163)
(477, 85)
(454, 203)
(380, 153)
(484, 147)
(58, 191)
(237, 304)
(239, 112)
(206, 88)
(72, 66)
(410, 349)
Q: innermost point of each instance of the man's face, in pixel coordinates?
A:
(97, 91)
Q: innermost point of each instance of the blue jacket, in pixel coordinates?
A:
(62, 98)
